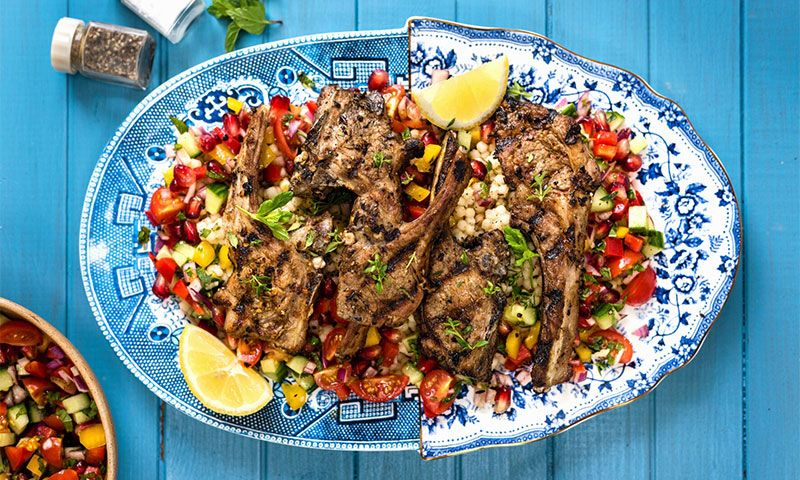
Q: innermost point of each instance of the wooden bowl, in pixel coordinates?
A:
(14, 311)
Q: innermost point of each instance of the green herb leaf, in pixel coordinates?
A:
(491, 288)
(464, 258)
(306, 81)
(261, 284)
(406, 178)
(231, 35)
(220, 8)
(379, 160)
(65, 419)
(271, 215)
(179, 124)
(143, 236)
(377, 270)
(336, 240)
(605, 272)
(453, 328)
(452, 121)
(519, 246)
(406, 133)
(518, 91)
(541, 190)
(310, 236)
(250, 18)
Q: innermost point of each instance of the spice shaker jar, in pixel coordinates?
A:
(171, 17)
(110, 53)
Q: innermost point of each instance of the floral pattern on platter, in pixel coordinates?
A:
(684, 187)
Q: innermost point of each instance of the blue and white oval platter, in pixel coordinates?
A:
(684, 185)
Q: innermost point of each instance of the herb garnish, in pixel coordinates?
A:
(271, 214)
(453, 328)
(310, 238)
(491, 288)
(143, 236)
(379, 160)
(541, 189)
(179, 124)
(247, 15)
(464, 258)
(452, 121)
(377, 269)
(519, 246)
(306, 81)
(261, 284)
(529, 157)
(518, 91)
(336, 240)
(406, 134)
(605, 272)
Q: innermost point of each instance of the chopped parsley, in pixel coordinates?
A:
(65, 419)
(406, 134)
(519, 246)
(491, 288)
(143, 236)
(271, 215)
(310, 236)
(541, 190)
(91, 410)
(379, 160)
(518, 91)
(336, 240)
(306, 81)
(605, 272)
(179, 124)
(406, 178)
(452, 121)
(453, 328)
(377, 270)
(261, 284)
(484, 189)
(464, 258)
(529, 157)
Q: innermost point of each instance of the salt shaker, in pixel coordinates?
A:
(110, 53)
(170, 17)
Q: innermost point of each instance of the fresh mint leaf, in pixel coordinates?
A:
(519, 246)
(231, 35)
(270, 214)
(179, 124)
(251, 18)
(220, 8)
(306, 81)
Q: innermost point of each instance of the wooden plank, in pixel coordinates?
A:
(33, 173)
(530, 15)
(694, 58)
(625, 431)
(771, 180)
(95, 111)
(375, 15)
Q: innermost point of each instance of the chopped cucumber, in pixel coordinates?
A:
(273, 369)
(6, 381)
(615, 120)
(518, 314)
(637, 219)
(650, 250)
(413, 374)
(188, 143)
(409, 344)
(81, 417)
(163, 253)
(569, 110)
(655, 238)
(605, 316)
(216, 193)
(35, 414)
(7, 439)
(601, 202)
(638, 144)
(465, 139)
(306, 381)
(297, 363)
(76, 403)
(182, 252)
(18, 418)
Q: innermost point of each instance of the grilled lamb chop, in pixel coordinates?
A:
(459, 274)
(270, 295)
(532, 140)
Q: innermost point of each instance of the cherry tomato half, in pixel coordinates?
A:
(20, 334)
(249, 353)
(641, 288)
(379, 389)
(332, 342)
(66, 474)
(165, 206)
(52, 452)
(17, 456)
(435, 392)
(614, 336)
(335, 378)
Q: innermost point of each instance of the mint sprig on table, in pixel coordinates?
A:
(247, 15)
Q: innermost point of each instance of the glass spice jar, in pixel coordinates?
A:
(171, 18)
(110, 53)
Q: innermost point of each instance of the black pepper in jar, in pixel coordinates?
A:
(106, 52)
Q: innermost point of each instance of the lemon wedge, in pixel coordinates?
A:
(216, 377)
(464, 101)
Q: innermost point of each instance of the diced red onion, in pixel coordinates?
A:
(561, 103)
(19, 394)
(491, 394)
(190, 193)
(292, 128)
(524, 377)
(13, 372)
(67, 386)
(341, 375)
(196, 131)
(439, 76)
(21, 363)
(53, 365)
(54, 352)
(310, 367)
(624, 134)
(75, 453)
(642, 332)
(81, 384)
(370, 372)
(579, 377)
(201, 192)
(584, 105)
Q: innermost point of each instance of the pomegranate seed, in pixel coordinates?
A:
(600, 122)
(194, 207)
(378, 79)
(601, 230)
(218, 315)
(289, 166)
(244, 118)
(206, 142)
(183, 177)
(585, 311)
(478, 169)
(623, 149)
(583, 322)
(392, 334)
(219, 170)
(610, 296)
(230, 123)
(632, 164)
(624, 133)
(328, 288)
(359, 367)
(80, 467)
(502, 400)
(370, 353)
(504, 329)
(234, 144)
(620, 210)
(190, 233)
(160, 287)
(219, 134)
(429, 138)
(486, 130)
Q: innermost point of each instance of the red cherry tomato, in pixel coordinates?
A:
(279, 106)
(606, 138)
(273, 173)
(52, 452)
(606, 152)
(165, 206)
(614, 247)
(523, 356)
(415, 211)
(624, 263)
(18, 456)
(426, 365)
(389, 351)
(641, 288)
(66, 474)
(20, 334)
(335, 378)
(54, 422)
(332, 342)
(96, 456)
(634, 242)
(37, 387)
(249, 353)
(616, 337)
(379, 389)
(37, 369)
(167, 267)
(435, 391)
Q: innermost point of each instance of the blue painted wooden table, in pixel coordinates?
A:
(732, 65)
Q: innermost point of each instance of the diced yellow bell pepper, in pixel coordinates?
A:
(203, 254)
(92, 436)
(416, 192)
(584, 334)
(268, 154)
(169, 174)
(475, 133)
(621, 232)
(431, 152)
(224, 258)
(513, 341)
(234, 105)
(373, 337)
(269, 136)
(533, 335)
(36, 466)
(584, 354)
(221, 153)
(296, 395)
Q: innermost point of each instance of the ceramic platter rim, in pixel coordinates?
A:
(361, 443)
